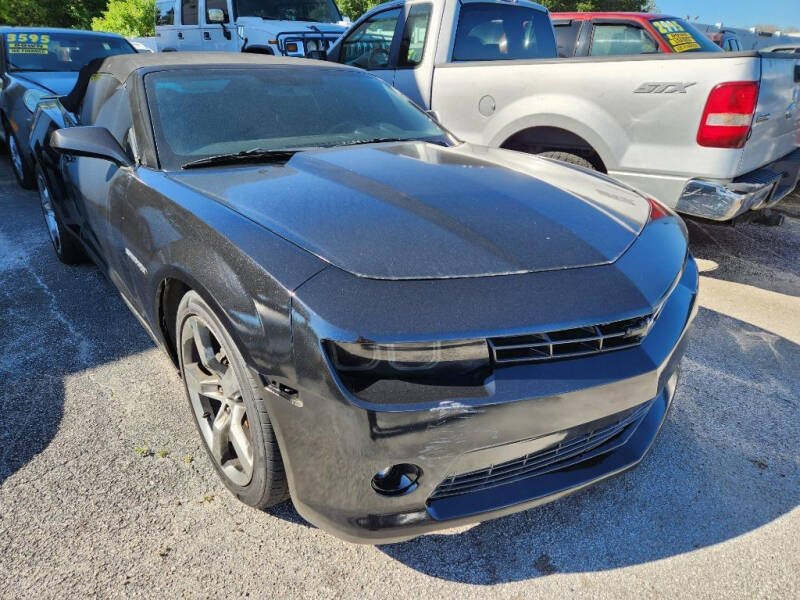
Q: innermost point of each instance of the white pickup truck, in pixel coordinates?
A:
(709, 134)
(279, 27)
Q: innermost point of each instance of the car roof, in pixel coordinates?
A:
(7, 29)
(611, 15)
(122, 66)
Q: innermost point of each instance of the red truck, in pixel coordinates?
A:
(620, 33)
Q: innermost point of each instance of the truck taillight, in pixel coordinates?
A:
(728, 115)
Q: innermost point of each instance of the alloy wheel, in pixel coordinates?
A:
(16, 157)
(215, 393)
(48, 212)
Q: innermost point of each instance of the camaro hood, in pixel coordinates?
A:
(421, 211)
(58, 83)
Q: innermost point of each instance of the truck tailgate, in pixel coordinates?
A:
(776, 127)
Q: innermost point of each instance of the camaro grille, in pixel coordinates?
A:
(571, 343)
(566, 454)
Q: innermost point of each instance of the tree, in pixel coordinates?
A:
(131, 18)
(355, 8)
(75, 14)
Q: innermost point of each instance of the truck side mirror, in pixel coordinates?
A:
(317, 54)
(215, 16)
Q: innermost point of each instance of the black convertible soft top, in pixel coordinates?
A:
(121, 66)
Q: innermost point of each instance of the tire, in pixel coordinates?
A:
(21, 170)
(572, 159)
(228, 395)
(67, 247)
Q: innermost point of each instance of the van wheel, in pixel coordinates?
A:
(572, 159)
(227, 408)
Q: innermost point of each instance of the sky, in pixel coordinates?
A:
(736, 13)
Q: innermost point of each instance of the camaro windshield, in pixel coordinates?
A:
(322, 11)
(67, 51)
(202, 113)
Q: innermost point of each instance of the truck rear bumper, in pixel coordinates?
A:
(756, 190)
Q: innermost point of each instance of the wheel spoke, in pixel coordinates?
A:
(205, 350)
(239, 439)
(220, 430)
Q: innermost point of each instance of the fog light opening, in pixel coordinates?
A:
(397, 480)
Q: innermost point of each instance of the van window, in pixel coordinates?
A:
(165, 12)
(189, 12)
(220, 4)
(503, 32)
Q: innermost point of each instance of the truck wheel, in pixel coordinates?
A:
(21, 171)
(227, 407)
(572, 159)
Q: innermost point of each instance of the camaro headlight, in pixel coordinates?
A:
(404, 360)
(32, 97)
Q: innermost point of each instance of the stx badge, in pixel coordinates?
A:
(664, 87)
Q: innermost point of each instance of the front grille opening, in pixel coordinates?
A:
(570, 343)
(571, 453)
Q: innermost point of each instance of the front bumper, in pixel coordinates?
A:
(756, 190)
(332, 446)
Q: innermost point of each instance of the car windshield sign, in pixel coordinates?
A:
(682, 37)
(320, 11)
(68, 51)
(211, 117)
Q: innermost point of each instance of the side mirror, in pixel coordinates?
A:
(215, 16)
(94, 142)
(317, 54)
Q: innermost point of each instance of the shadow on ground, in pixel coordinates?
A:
(56, 320)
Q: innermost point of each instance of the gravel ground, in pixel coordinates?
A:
(105, 490)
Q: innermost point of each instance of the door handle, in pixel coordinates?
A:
(206, 35)
(180, 35)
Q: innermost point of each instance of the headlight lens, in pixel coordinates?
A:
(32, 97)
(409, 360)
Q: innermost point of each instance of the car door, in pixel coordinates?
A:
(370, 45)
(218, 37)
(92, 180)
(189, 33)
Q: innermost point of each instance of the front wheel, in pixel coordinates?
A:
(67, 247)
(21, 170)
(227, 407)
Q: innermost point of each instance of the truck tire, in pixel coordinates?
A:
(232, 415)
(572, 159)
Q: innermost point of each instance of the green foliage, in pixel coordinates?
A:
(131, 18)
(50, 13)
(355, 8)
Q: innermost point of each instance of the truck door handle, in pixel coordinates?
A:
(206, 35)
(180, 35)
(797, 73)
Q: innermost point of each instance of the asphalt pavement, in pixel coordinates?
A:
(105, 490)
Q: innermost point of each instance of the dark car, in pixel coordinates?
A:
(400, 331)
(36, 63)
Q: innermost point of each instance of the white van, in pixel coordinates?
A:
(279, 27)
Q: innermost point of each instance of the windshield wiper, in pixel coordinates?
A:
(255, 155)
(389, 139)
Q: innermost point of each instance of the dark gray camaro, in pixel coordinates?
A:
(400, 331)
